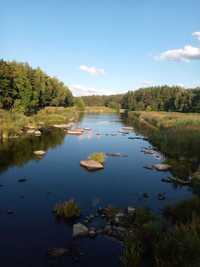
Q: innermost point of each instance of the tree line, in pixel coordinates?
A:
(163, 98)
(25, 89)
(111, 101)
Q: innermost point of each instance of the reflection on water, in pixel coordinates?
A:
(31, 230)
(17, 152)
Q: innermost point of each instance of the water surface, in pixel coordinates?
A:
(32, 229)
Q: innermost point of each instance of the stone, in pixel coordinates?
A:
(91, 165)
(39, 153)
(30, 131)
(145, 195)
(38, 133)
(162, 167)
(75, 131)
(161, 196)
(61, 126)
(79, 230)
(131, 210)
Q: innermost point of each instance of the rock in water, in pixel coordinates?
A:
(131, 210)
(79, 229)
(37, 133)
(39, 153)
(57, 252)
(162, 167)
(91, 165)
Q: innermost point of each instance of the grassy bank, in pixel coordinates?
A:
(99, 109)
(176, 135)
(12, 124)
(164, 120)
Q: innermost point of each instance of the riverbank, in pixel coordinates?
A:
(15, 124)
(177, 136)
(166, 120)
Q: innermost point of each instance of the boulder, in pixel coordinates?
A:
(91, 165)
(80, 229)
(162, 167)
(39, 153)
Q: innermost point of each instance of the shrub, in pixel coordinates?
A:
(180, 246)
(184, 211)
(67, 209)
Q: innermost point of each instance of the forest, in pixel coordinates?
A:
(163, 98)
(24, 89)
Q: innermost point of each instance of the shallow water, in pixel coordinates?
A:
(32, 229)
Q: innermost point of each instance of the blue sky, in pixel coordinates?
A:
(105, 45)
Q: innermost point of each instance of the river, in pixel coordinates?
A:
(31, 230)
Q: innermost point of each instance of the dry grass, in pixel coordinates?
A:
(168, 119)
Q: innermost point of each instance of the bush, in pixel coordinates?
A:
(184, 211)
(100, 157)
(67, 210)
(180, 246)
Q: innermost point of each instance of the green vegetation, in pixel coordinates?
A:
(163, 98)
(13, 124)
(111, 101)
(99, 156)
(171, 240)
(67, 210)
(98, 109)
(26, 90)
(79, 103)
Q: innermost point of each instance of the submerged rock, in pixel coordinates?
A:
(91, 165)
(80, 229)
(57, 252)
(22, 180)
(117, 154)
(92, 232)
(162, 167)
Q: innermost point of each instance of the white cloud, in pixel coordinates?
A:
(197, 35)
(80, 90)
(186, 53)
(92, 70)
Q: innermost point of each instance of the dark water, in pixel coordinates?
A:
(26, 235)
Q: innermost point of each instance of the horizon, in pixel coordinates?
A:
(94, 52)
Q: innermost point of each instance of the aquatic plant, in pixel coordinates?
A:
(99, 157)
(132, 251)
(67, 210)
